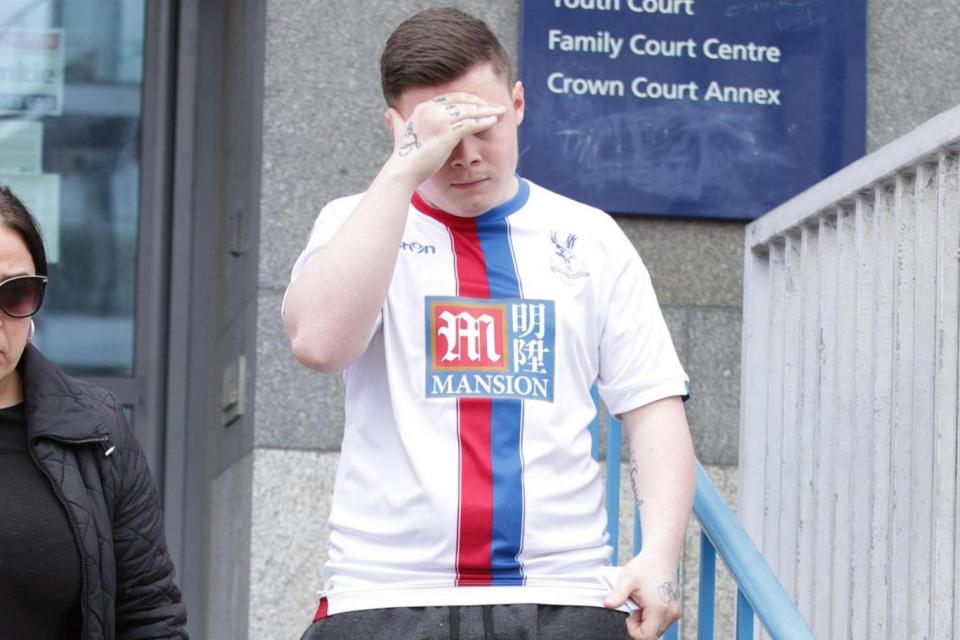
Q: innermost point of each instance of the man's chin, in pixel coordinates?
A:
(466, 207)
(473, 210)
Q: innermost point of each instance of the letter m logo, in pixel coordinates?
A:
(467, 336)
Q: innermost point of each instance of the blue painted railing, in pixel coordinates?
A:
(759, 593)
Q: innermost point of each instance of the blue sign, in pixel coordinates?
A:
(702, 108)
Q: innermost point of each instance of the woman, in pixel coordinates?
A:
(82, 550)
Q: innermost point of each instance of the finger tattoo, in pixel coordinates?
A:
(453, 110)
(410, 141)
(458, 125)
(439, 98)
(669, 592)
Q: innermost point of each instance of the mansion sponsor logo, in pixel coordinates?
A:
(489, 348)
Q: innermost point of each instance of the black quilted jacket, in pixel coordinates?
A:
(79, 438)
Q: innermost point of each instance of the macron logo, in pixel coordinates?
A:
(417, 248)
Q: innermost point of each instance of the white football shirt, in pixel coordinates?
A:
(466, 474)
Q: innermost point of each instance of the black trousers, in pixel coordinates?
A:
(487, 622)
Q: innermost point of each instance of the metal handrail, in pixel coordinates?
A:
(756, 583)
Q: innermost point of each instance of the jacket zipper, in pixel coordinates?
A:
(104, 442)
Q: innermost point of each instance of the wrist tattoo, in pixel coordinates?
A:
(669, 592)
(410, 141)
(635, 481)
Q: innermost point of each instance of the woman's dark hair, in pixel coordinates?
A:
(436, 46)
(14, 215)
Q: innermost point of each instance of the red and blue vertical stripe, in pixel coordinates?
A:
(490, 527)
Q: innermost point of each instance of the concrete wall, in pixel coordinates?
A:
(229, 40)
(322, 137)
(850, 404)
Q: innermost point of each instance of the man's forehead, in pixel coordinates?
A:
(482, 79)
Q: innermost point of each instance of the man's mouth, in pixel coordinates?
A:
(467, 184)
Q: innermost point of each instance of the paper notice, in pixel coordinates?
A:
(21, 147)
(41, 195)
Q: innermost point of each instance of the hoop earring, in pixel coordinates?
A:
(31, 331)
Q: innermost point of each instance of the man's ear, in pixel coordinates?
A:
(518, 101)
(393, 120)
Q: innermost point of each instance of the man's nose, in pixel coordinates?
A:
(466, 153)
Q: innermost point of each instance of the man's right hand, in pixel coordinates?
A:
(423, 142)
(332, 307)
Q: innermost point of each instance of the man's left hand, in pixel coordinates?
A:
(652, 585)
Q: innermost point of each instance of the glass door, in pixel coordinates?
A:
(78, 145)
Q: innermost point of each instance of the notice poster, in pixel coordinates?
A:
(21, 147)
(41, 195)
(21, 170)
(31, 71)
(700, 108)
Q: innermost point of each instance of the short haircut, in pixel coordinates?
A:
(436, 46)
(14, 214)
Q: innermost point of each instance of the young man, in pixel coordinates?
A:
(471, 312)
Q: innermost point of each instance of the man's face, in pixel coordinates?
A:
(480, 172)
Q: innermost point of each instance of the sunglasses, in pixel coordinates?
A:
(21, 296)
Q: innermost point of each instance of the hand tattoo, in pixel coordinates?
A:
(411, 141)
(635, 481)
(669, 592)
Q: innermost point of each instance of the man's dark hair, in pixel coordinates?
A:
(14, 215)
(436, 46)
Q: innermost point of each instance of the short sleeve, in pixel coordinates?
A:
(638, 362)
(325, 227)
